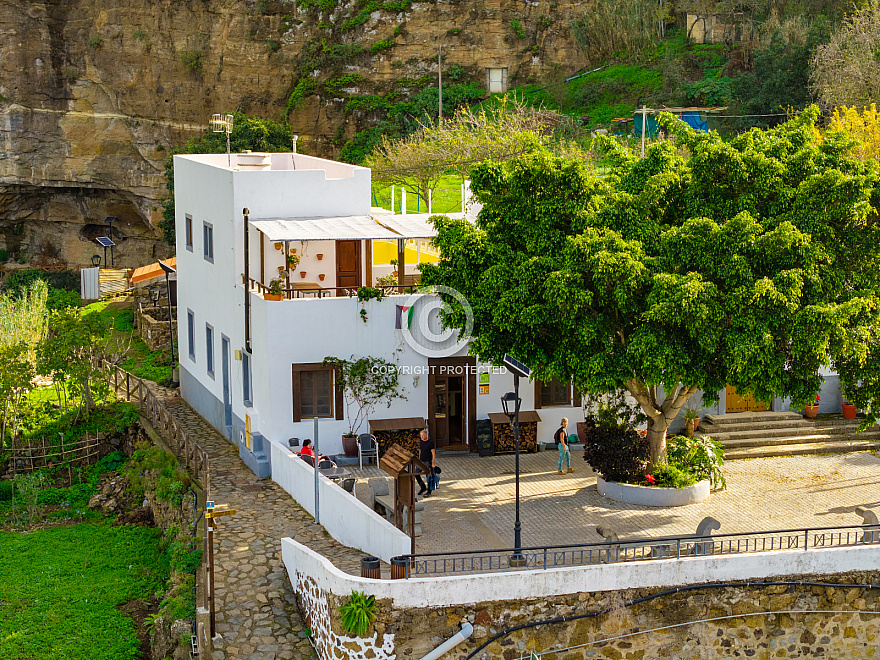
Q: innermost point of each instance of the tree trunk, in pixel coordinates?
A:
(657, 440)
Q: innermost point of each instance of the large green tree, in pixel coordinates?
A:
(752, 262)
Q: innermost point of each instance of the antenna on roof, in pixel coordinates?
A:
(223, 124)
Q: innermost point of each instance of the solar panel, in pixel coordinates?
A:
(517, 367)
(105, 241)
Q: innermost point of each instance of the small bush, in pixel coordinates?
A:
(379, 46)
(616, 451)
(671, 476)
(358, 613)
(273, 46)
(517, 28)
(140, 35)
(96, 42)
(701, 456)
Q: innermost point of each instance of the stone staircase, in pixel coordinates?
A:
(764, 434)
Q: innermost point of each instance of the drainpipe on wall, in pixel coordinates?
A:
(466, 631)
(247, 284)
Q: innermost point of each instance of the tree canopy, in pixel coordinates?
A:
(751, 262)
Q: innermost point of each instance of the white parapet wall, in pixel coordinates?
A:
(472, 588)
(344, 516)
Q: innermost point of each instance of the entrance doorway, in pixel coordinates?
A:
(348, 263)
(748, 403)
(452, 402)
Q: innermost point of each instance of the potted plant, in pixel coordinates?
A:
(393, 262)
(848, 409)
(691, 421)
(811, 409)
(365, 382)
(292, 260)
(275, 291)
(279, 245)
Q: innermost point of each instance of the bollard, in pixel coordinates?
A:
(398, 568)
(370, 568)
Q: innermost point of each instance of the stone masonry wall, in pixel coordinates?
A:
(754, 621)
(155, 331)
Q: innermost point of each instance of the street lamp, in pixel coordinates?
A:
(168, 270)
(96, 260)
(154, 295)
(519, 370)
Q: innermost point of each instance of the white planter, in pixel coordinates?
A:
(651, 495)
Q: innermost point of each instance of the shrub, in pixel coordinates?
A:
(96, 42)
(672, 476)
(517, 28)
(701, 456)
(614, 450)
(192, 60)
(358, 613)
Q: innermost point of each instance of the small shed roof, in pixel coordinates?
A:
(351, 227)
(397, 424)
(145, 273)
(524, 416)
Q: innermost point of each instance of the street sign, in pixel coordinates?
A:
(217, 514)
(209, 504)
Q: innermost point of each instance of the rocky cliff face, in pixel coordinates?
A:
(94, 94)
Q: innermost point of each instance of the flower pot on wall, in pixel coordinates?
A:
(321, 277)
(278, 246)
(350, 445)
(810, 411)
(849, 410)
(273, 296)
(320, 256)
(302, 274)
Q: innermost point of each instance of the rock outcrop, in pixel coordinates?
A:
(95, 94)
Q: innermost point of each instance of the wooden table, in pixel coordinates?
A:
(335, 473)
(312, 288)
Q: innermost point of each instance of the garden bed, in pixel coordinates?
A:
(653, 495)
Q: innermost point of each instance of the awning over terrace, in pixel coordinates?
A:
(352, 227)
(409, 226)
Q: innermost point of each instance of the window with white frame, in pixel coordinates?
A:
(191, 334)
(208, 236)
(189, 232)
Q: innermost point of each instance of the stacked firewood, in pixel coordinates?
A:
(406, 438)
(505, 442)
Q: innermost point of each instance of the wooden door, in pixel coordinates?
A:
(748, 403)
(440, 407)
(452, 401)
(348, 263)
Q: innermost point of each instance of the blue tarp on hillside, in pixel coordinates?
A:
(694, 120)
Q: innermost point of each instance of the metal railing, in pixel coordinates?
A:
(292, 292)
(186, 449)
(670, 547)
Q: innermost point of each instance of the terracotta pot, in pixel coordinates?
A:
(350, 445)
(320, 256)
(302, 274)
(321, 277)
(273, 296)
(849, 410)
(278, 246)
(810, 411)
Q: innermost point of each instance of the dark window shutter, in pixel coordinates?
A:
(539, 393)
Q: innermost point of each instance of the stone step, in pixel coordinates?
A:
(797, 440)
(752, 417)
(791, 432)
(834, 447)
(748, 426)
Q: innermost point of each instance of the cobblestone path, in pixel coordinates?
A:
(256, 612)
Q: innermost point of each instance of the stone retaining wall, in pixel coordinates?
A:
(152, 327)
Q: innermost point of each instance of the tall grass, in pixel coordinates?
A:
(614, 26)
(24, 318)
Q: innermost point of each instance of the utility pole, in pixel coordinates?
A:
(440, 82)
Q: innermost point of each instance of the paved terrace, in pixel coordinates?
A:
(474, 507)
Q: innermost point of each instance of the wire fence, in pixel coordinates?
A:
(680, 547)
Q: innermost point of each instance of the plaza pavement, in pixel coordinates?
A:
(474, 507)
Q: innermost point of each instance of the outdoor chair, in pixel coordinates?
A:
(348, 484)
(308, 459)
(367, 446)
(326, 463)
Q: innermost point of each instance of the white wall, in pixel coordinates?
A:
(345, 517)
(466, 589)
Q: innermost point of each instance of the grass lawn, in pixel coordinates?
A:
(139, 359)
(60, 589)
(446, 197)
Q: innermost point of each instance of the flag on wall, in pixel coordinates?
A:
(401, 312)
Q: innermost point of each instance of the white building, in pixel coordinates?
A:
(253, 367)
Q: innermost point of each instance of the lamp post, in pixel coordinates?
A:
(109, 220)
(154, 295)
(168, 270)
(96, 260)
(512, 399)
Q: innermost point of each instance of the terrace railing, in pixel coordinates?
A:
(674, 547)
(298, 290)
(183, 445)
